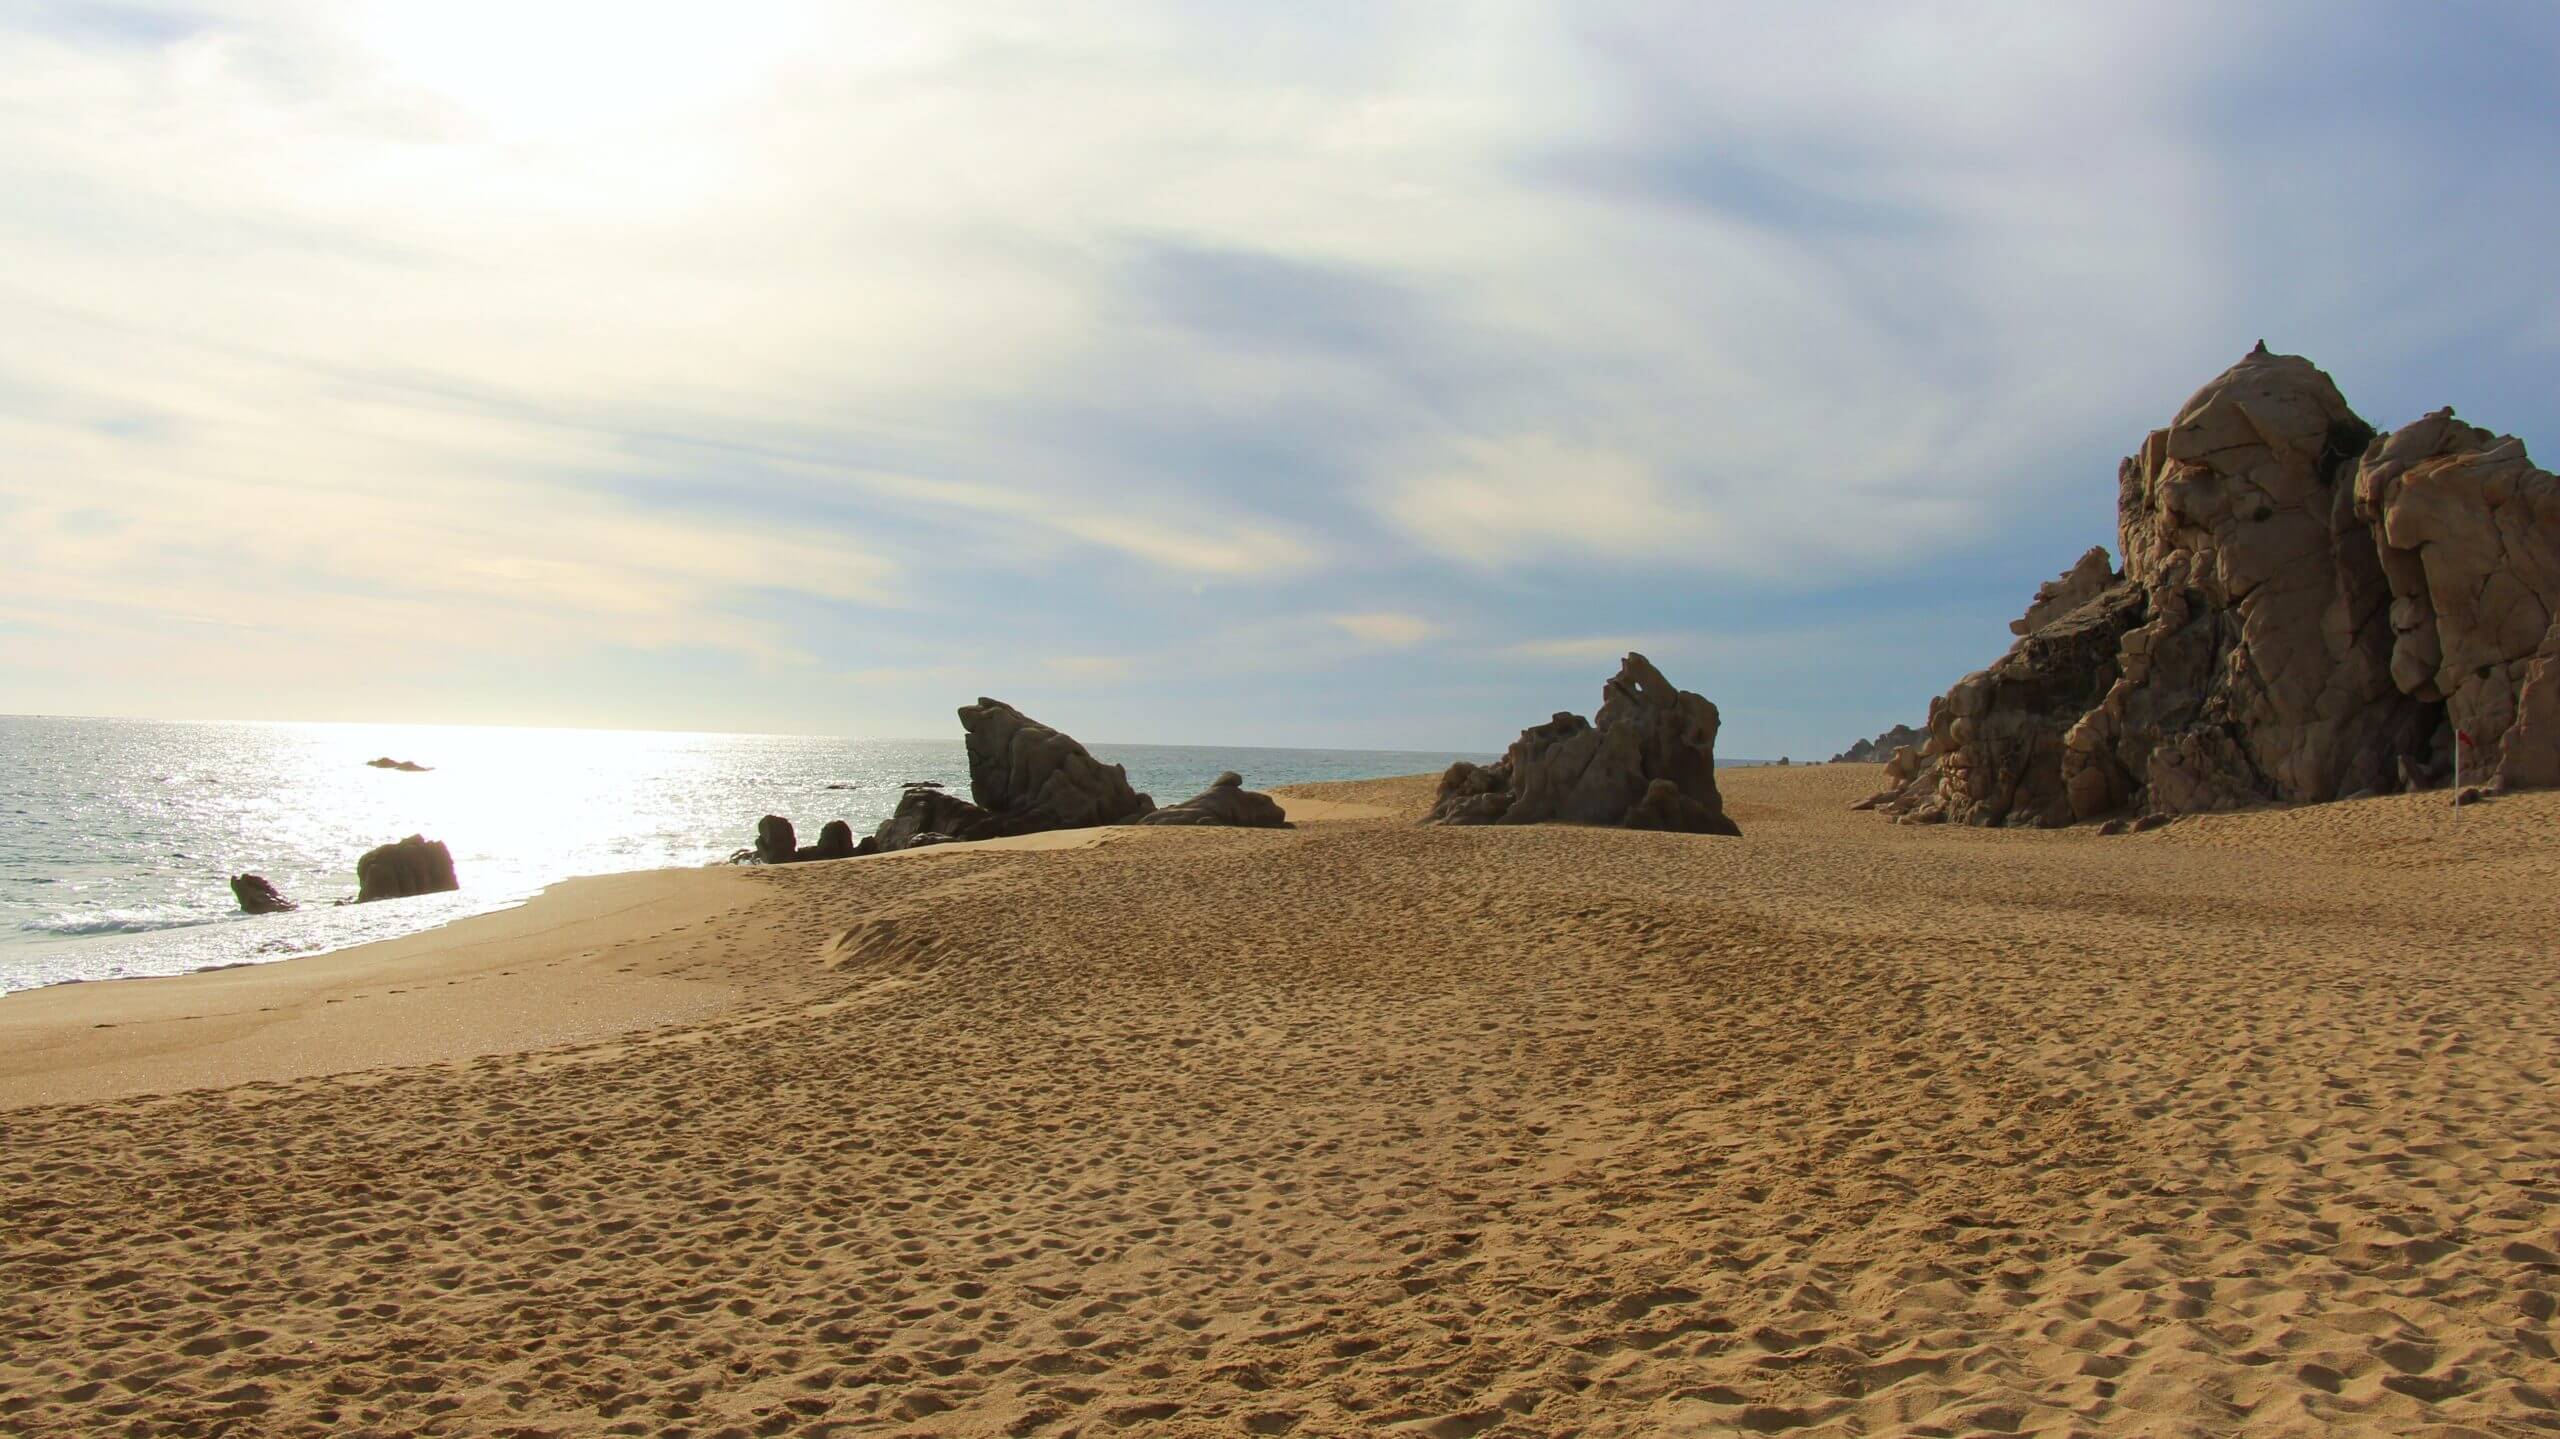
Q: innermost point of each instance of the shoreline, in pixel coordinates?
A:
(267, 1020)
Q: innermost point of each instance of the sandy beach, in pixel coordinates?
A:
(2246, 1125)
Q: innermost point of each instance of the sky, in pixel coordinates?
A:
(1344, 374)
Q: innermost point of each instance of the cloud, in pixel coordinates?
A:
(797, 341)
(1577, 650)
(1387, 628)
(1090, 668)
(1491, 500)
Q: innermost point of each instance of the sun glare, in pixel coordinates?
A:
(563, 69)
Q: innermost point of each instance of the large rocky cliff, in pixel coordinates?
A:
(2307, 611)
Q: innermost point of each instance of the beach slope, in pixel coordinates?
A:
(2245, 1125)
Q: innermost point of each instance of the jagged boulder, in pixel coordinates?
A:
(1225, 802)
(926, 809)
(413, 866)
(776, 841)
(2470, 535)
(835, 841)
(1881, 748)
(2087, 579)
(258, 896)
(1648, 762)
(2306, 612)
(1033, 778)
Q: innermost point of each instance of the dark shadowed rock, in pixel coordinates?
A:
(835, 841)
(776, 842)
(416, 865)
(1225, 802)
(257, 896)
(1032, 778)
(1646, 762)
(928, 839)
(926, 809)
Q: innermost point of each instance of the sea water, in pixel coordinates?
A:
(118, 837)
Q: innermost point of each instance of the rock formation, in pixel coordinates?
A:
(2470, 537)
(2078, 585)
(1648, 763)
(835, 841)
(1881, 748)
(403, 765)
(2306, 612)
(927, 809)
(1225, 802)
(416, 865)
(1032, 778)
(258, 896)
(776, 841)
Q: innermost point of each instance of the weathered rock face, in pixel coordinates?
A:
(1032, 778)
(776, 842)
(1881, 748)
(2078, 585)
(1225, 802)
(1648, 762)
(416, 865)
(2301, 605)
(835, 841)
(2470, 535)
(258, 896)
(926, 809)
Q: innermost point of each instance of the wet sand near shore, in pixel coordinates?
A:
(2246, 1125)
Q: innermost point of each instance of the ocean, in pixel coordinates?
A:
(118, 837)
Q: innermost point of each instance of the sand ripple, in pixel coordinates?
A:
(2243, 1126)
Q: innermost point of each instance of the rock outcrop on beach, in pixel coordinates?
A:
(403, 765)
(1024, 778)
(257, 895)
(1881, 748)
(927, 809)
(1648, 762)
(416, 865)
(1225, 802)
(2470, 536)
(2306, 612)
(778, 843)
(2091, 577)
(835, 841)
(1033, 778)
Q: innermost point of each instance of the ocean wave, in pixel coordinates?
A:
(76, 924)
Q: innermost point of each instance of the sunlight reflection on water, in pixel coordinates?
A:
(118, 837)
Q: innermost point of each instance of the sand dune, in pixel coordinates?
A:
(2247, 1125)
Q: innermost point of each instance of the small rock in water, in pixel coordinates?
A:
(405, 766)
(416, 865)
(258, 896)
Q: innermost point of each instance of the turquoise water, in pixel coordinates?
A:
(118, 837)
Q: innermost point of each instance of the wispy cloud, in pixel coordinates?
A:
(754, 351)
(1389, 628)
